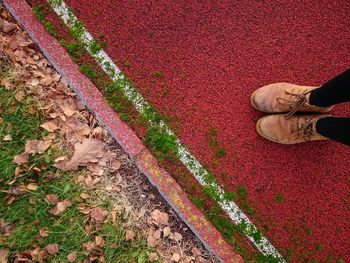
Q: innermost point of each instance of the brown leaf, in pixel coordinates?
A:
(7, 138)
(91, 182)
(68, 107)
(46, 81)
(4, 255)
(99, 241)
(177, 236)
(20, 95)
(30, 61)
(115, 165)
(160, 218)
(95, 168)
(72, 256)
(157, 234)
(50, 126)
(32, 187)
(6, 228)
(98, 214)
(196, 252)
(54, 211)
(61, 162)
(62, 206)
(73, 128)
(84, 195)
(33, 82)
(153, 257)
(129, 235)
(151, 241)
(52, 249)
(84, 208)
(37, 254)
(176, 257)
(7, 27)
(43, 232)
(37, 146)
(7, 83)
(22, 258)
(21, 158)
(166, 231)
(87, 151)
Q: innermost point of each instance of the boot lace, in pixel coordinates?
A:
(305, 129)
(295, 104)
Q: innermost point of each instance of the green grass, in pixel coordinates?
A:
(30, 212)
(89, 71)
(158, 74)
(164, 143)
(279, 198)
(40, 14)
(94, 47)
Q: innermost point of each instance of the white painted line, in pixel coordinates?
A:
(192, 164)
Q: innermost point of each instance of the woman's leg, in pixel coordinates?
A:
(333, 92)
(334, 128)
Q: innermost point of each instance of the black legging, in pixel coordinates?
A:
(333, 92)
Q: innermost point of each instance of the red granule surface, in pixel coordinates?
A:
(199, 62)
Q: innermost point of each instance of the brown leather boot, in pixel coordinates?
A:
(296, 129)
(285, 97)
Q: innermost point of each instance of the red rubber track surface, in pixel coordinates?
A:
(213, 55)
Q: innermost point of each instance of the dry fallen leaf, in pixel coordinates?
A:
(160, 218)
(50, 126)
(91, 182)
(129, 235)
(98, 214)
(153, 257)
(73, 128)
(157, 234)
(20, 95)
(46, 81)
(177, 236)
(52, 199)
(72, 256)
(99, 241)
(95, 168)
(84, 208)
(62, 206)
(84, 195)
(166, 231)
(21, 158)
(68, 107)
(87, 151)
(32, 187)
(196, 252)
(152, 242)
(7, 83)
(7, 138)
(115, 165)
(37, 146)
(43, 232)
(7, 27)
(176, 257)
(52, 249)
(3, 255)
(6, 228)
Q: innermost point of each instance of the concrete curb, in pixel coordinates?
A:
(145, 161)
